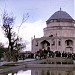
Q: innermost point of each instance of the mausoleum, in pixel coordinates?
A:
(59, 34)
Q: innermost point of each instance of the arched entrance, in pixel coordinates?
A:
(45, 45)
(69, 46)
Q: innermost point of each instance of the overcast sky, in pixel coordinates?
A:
(39, 11)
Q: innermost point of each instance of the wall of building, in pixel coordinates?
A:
(60, 32)
(60, 24)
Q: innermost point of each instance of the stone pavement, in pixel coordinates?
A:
(19, 61)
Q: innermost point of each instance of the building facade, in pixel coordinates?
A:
(59, 35)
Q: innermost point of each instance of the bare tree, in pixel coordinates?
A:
(14, 43)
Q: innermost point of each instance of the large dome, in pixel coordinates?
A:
(60, 15)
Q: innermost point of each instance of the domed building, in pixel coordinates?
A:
(59, 35)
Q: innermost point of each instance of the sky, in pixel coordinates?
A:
(39, 12)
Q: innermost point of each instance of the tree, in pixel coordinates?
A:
(19, 44)
(13, 39)
(2, 49)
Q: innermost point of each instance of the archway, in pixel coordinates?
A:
(69, 46)
(45, 45)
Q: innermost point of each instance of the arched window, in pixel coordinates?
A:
(69, 42)
(53, 42)
(69, 46)
(36, 43)
(59, 42)
(51, 36)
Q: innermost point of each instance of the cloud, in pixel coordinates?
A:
(28, 30)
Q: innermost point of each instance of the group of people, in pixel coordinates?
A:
(50, 54)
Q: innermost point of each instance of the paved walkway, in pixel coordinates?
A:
(26, 60)
(16, 68)
(5, 62)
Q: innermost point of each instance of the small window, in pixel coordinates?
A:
(53, 43)
(59, 43)
(67, 42)
(36, 43)
(51, 36)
